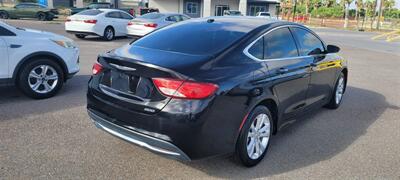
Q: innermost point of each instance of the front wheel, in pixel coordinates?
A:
(41, 79)
(254, 137)
(337, 95)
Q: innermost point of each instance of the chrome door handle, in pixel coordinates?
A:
(283, 70)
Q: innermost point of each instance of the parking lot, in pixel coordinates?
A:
(54, 138)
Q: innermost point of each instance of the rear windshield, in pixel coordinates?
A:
(194, 37)
(152, 16)
(93, 12)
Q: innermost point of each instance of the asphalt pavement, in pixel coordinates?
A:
(55, 139)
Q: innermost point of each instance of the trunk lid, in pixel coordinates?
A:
(126, 79)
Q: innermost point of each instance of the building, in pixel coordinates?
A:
(204, 8)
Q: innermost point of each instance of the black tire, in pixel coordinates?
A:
(80, 36)
(4, 15)
(107, 36)
(333, 103)
(24, 80)
(41, 16)
(49, 18)
(241, 153)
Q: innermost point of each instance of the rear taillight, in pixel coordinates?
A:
(91, 21)
(152, 25)
(97, 68)
(68, 20)
(130, 23)
(184, 89)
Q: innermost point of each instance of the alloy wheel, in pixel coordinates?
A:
(109, 34)
(43, 79)
(258, 136)
(339, 90)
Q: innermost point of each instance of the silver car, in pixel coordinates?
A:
(147, 23)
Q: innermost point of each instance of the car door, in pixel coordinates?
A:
(323, 69)
(114, 18)
(31, 10)
(4, 53)
(19, 11)
(285, 69)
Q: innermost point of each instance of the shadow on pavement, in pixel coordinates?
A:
(99, 39)
(14, 104)
(313, 138)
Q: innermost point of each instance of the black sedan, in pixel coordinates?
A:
(214, 86)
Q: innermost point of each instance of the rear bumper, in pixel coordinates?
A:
(153, 144)
(82, 32)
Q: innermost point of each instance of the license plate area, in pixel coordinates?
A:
(120, 81)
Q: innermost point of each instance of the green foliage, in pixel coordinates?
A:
(392, 13)
(328, 12)
(301, 9)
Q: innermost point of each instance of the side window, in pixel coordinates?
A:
(279, 44)
(309, 43)
(6, 32)
(172, 19)
(20, 6)
(125, 16)
(184, 18)
(257, 50)
(113, 14)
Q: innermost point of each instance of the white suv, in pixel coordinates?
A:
(37, 62)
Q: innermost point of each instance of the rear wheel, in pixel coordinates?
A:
(41, 78)
(109, 34)
(4, 15)
(254, 137)
(338, 93)
(80, 36)
(41, 16)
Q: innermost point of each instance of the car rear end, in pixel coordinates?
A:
(85, 22)
(167, 97)
(145, 24)
(149, 105)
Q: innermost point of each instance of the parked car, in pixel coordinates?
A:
(263, 14)
(147, 23)
(28, 10)
(37, 62)
(106, 23)
(214, 86)
(232, 13)
(101, 5)
(266, 15)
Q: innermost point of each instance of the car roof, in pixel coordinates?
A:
(109, 10)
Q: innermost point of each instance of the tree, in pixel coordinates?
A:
(359, 5)
(346, 16)
(389, 4)
(371, 10)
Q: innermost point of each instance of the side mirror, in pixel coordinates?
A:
(332, 49)
(315, 51)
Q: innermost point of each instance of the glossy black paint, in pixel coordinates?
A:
(210, 127)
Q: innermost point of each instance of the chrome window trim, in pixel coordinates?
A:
(246, 49)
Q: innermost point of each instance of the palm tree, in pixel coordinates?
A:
(359, 5)
(371, 10)
(346, 16)
(389, 4)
